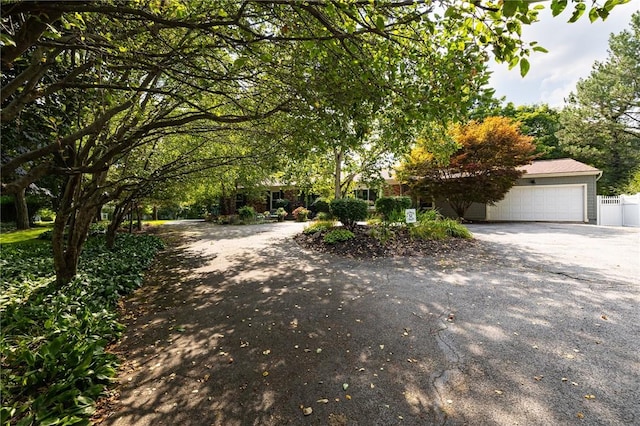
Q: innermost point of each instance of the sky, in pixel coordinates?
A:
(573, 49)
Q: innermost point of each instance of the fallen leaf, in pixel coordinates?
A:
(580, 416)
(381, 346)
(243, 344)
(318, 350)
(564, 379)
(265, 373)
(307, 411)
(345, 386)
(604, 317)
(267, 352)
(589, 396)
(322, 401)
(499, 392)
(372, 385)
(348, 397)
(412, 360)
(538, 378)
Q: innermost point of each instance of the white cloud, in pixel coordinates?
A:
(573, 49)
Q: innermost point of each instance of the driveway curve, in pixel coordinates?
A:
(238, 325)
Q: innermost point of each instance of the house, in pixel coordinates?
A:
(562, 190)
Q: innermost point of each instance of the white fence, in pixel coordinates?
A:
(619, 210)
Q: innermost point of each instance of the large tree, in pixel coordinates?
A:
(601, 123)
(140, 71)
(482, 167)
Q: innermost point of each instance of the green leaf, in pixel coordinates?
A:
(577, 13)
(509, 8)
(540, 49)
(593, 14)
(380, 22)
(557, 6)
(524, 66)
(238, 63)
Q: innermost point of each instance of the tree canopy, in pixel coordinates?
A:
(601, 123)
(481, 168)
(106, 80)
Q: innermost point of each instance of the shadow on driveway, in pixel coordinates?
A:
(239, 326)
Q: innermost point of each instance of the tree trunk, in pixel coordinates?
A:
(76, 222)
(155, 212)
(139, 218)
(338, 156)
(22, 212)
(112, 230)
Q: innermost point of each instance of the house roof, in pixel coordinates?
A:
(561, 166)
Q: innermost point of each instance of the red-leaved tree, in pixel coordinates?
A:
(482, 169)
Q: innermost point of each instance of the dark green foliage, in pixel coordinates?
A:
(349, 210)
(320, 205)
(386, 206)
(281, 202)
(438, 229)
(53, 338)
(338, 235)
(247, 213)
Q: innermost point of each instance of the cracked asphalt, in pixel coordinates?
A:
(539, 324)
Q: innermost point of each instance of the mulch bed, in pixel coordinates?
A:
(366, 246)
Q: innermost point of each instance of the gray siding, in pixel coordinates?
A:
(592, 201)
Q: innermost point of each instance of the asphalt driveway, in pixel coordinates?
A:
(537, 324)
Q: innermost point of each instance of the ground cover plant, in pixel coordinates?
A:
(53, 338)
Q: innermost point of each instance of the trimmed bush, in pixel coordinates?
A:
(349, 210)
(338, 235)
(387, 206)
(320, 205)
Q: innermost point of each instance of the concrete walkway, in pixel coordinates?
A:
(239, 326)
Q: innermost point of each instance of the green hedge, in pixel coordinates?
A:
(349, 210)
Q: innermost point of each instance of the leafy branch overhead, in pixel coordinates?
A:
(105, 81)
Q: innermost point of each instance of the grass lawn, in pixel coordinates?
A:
(30, 235)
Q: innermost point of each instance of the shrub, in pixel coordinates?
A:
(281, 203)
(439, 229)
(281, 213)
(388, 207)
(324, 216)
(349, 210)
(319, 226)
(382, 233)
(338, 235)
(247, 213)
(428, 215)
(320, 205)
(300, 214)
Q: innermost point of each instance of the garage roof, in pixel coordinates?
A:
(561, 166)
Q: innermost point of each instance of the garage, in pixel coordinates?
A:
(557, 203)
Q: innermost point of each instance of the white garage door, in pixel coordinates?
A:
(561, 203)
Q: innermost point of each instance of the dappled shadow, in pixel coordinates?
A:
(248, 330)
